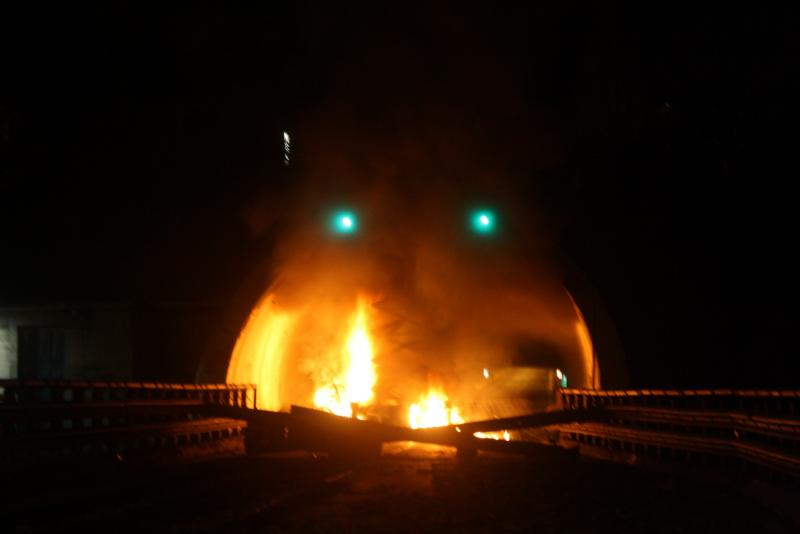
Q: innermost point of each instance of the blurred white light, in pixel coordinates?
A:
(559, 374)
(484, 220)
(485, 373)
(347, 222)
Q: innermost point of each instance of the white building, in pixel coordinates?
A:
(76, 341)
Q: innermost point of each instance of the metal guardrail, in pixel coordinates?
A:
(771, 401)
(39, 418)
(747, 427)
(67, 391)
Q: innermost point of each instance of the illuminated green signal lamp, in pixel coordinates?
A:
(483, 222)
(344, 222)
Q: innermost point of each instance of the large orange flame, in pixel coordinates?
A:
(355, 382)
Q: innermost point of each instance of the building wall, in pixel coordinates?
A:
(92, 341)
(8, 347)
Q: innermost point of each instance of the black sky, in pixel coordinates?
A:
(132, 136)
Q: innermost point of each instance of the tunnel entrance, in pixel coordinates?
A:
(368, 356)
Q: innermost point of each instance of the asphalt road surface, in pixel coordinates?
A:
(410, 488)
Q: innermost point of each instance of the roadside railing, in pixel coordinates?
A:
(752, 429)
(47, 417)
(67, 391)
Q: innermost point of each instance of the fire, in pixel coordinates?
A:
(356, 382)
(505, 435)
(433, 410)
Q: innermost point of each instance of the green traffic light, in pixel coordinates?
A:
(483, 222)
(344, 222)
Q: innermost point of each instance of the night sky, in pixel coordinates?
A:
(662, 151)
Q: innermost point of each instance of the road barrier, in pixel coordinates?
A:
(748, 429)
(51, 419)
